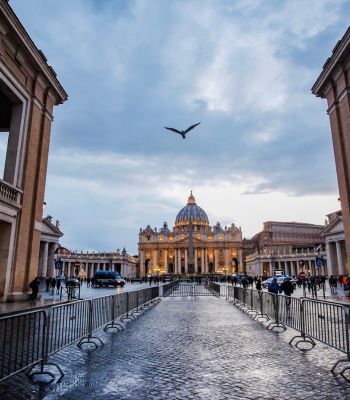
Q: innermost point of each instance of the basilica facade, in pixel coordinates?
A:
(193, 246)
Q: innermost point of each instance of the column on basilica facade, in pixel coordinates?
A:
(186, 261)
(206, 263)
(240, 261)
(166, 260)
(142, 264)
(154, 260)
(216, 260)
(202, 261)
(227, 260)
(196, 261)
(175, 261)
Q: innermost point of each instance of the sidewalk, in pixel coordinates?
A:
(48, 299)
(190, 349)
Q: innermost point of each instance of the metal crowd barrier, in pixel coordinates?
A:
(27, 340)
(169, 288)
(21, 342)
(320, 320)
(214, 288)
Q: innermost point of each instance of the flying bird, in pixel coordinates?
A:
(183, 133)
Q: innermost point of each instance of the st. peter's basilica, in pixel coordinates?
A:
(192, 246)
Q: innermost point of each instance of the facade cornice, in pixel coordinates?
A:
(337, 54)
(33, 51)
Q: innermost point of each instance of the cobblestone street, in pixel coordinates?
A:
(190, 349)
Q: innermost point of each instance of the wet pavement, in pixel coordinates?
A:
(185, 348)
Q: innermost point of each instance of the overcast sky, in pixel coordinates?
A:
(244, 68)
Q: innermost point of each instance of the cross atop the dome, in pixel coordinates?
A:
(191, 199)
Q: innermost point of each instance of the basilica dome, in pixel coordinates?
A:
(191, 212)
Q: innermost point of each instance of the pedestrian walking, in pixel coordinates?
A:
(53, 285)
(58, 286)
(258, 284)
(47, 281)
(287, 288)
(274, 287)
(34, 285)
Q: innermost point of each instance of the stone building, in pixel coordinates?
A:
(335, 244)
(287, 246)
(333, 85)
(49, 244)
(85, 264)
(29, 90)
(192, 246)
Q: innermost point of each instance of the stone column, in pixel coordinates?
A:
(206, 263)
(142, 263)
(154, 260)
(186, 261)
(216, 259)
(227, 260)
(45, 259)
(240, 260)
(329, 259)
(175, 261)
(202, 261)
(166, 260)
(51, 259)
(340, 258)
(196, 261)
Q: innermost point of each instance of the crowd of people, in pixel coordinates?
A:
(311, 283)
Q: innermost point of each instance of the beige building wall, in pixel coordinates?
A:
(29, 90)
(333, 85)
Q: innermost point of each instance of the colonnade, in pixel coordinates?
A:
(176, 261)
(336, 253)
(46, 266)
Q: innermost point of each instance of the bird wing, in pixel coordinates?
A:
(191, 127)
(173, 129)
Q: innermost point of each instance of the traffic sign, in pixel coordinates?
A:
(77, 263)
(302, 274)
(319, 261)
(58, 264)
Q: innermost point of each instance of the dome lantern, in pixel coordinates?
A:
(191, 212)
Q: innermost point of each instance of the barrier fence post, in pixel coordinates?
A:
(88, 338)
(113, 324)
(261, 314)
(347, 358)
(276, 325)
(303, 337)
(45, 353)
